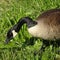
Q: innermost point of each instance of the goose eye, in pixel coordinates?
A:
(9, 34)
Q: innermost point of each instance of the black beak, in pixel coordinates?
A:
(7, 41)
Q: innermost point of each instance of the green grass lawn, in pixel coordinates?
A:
(22, 47)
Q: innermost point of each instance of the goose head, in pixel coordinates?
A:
(12, 32)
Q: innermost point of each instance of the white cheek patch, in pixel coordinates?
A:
(14, 33)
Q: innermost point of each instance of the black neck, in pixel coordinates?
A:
(26, 20)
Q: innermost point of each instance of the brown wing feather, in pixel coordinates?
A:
(51, 17)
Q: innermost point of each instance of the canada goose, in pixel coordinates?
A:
(46, 26)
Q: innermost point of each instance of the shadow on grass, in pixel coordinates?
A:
(46, 43)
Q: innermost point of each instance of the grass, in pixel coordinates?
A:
(20, 48)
